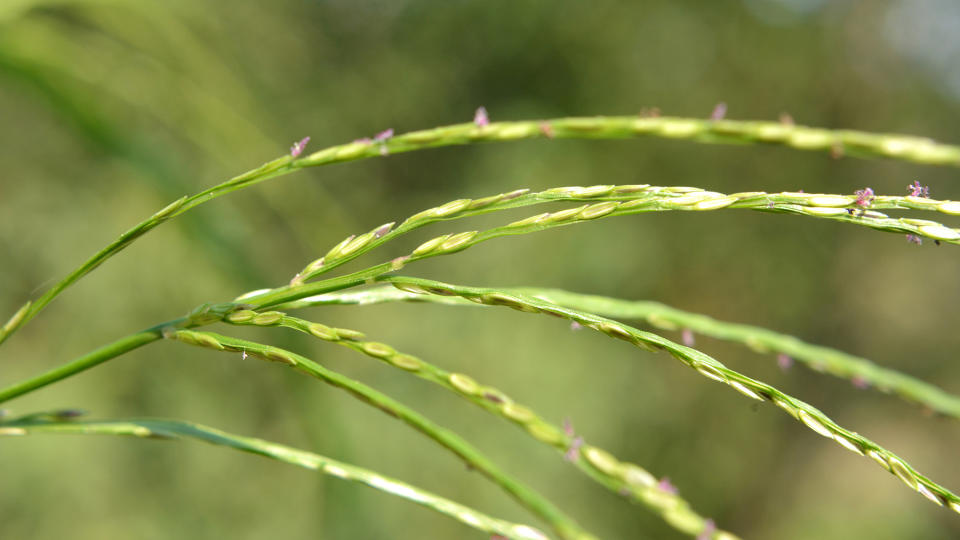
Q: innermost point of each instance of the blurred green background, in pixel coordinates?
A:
(111, 109)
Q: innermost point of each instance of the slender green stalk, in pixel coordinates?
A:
(175, 429)
(563, 525)
(706, 366)
(624, 478)
(83, 363)
(859, 370)
(856, 143)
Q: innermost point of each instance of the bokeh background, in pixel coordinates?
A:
(111, 109)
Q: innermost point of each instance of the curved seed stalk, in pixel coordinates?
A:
(855, 143)
(821, 359)
(175, 429)
(706, 366)
(562, 524)
(620, 201)
(646, 198)
(620, 477)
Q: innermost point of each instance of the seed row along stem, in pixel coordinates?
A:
(821, 359)
(646, 198)
(563, 525)
(175, 429)
(838, 142)
(624, 478)
(628, 200)
(706, 366)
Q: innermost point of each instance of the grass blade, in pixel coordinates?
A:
(175, 429)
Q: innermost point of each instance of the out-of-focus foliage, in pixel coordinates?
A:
(113, 108)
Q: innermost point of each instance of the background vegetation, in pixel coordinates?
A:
(112, 108)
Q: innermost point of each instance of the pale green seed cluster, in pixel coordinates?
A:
(706, 366)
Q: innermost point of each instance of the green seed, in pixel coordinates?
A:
(378, 350)
(457, 241)
(615, 330)
(598, 210)
(242, 316)
(356, 244)
(546, 433)
(830, 200)
(714, 204)
(951, 207)
(517, 413)
(940, 232)
(268, 318)
(323, 332)
(16, 318)
(430, 245)
(464, 384)
(451, 207)
(592, 191)
(602, 460)
(281, 357)
(710, 372)
(814, 424)
(405, 361)
(346, 333)
(532, 220)
(903, 473)
(564, 215)
(638, 477)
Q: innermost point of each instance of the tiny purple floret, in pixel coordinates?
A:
(574, 325)
(665, 486)
(383, 135)
(298, 147)
(914, 239)
(719, 111)
(568, 427)
(916, 190)
(687, 337)
(864, 197)
(574, 451)
(784, 361)
(709, 527)
(480, 117)
(859, 382)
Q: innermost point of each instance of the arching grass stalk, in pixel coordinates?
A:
(626, 200)
(646, 198)
(624, 478)
(175, 429)
(859, 370)
(706, 366)
(855, 143)
(562, 524)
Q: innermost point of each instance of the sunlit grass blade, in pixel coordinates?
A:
(620, 477)
(562, 524)
(175, 429)
(706, 366)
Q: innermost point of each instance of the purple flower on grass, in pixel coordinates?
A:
(665, 486)
(574, 325)
(719, 111)
(709, 527)
(916, 190)
(687, 337)
(914, 239)
(568, 427)
(859, 382)
(574, 451)
(298, 147)
(784, 361)
(864, 197)
(383, 135)
(480, 117)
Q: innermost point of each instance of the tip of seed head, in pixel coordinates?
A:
(480, 117)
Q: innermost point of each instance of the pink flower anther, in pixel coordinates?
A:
(480, 118)
(298, 147)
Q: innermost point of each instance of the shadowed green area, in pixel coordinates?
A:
(114, 108)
